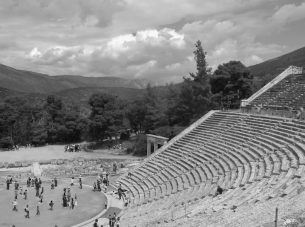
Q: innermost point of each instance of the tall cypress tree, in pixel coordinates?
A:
(195, 96)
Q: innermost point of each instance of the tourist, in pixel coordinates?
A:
(25, 194)
(120, 193)
(15, 205)
(39, 181)
(20, 191)
(27, 211)
(98, 186)
(110, 220)
(42, 190)
(28, 182)
(37, 211)
(94, 186)
(51, 204)
(41, 198)
(72, 181)
(16, 194)
(80, 178)
(7, 184)
(219, 191)
(105, 181)
(52, 185)
(105, 205)
(64, 201)
(55, 181)
(80, 184)
(95, 223)
(72, 204)
(69, 194)
(118, 222)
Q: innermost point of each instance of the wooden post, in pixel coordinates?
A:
(276, 216)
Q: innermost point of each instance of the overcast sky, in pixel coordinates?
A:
(151, 39)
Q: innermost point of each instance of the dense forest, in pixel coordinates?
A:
(162, 111)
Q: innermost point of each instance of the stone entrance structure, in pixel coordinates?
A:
(154, 143)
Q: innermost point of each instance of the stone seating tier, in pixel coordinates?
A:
(254, 158)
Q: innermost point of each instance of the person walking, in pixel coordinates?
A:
(27, 211)
(15, 205)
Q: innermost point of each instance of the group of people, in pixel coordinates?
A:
(68, 200)
(101, 183)
(114, 221)
(31, 182)
(73, 148)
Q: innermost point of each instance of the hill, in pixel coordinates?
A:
(277, 65)
(77, 95)
(81, 95)
(32, 82)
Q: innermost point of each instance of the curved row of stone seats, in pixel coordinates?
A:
(259, 191)
(287, 93)
(242, 150)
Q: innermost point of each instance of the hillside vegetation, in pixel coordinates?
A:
(277, 65)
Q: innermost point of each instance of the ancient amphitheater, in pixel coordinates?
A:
(256, 154)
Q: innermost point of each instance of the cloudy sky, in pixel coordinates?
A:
(149, 39)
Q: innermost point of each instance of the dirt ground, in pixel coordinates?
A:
(89, 204)
(55, 152)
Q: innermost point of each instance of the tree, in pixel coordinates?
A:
(195, 96)
(106, 115)
(140, 147)
(233, 81)
(135, 112)
(155, 109)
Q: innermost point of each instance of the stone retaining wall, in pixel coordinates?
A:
(63, 168)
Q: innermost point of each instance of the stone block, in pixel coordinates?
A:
(11, 165)
(18, 164)
(24, 164)
(5, 164)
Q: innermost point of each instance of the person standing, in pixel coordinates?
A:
(41, 198)
(72, 204)
(27, 211)
(25, 194)
(37, 211)
(110, 220)
(80, 184)
(51, 205)
(95, 223)
(7, 184)
(16, 194)
(55, 181)
(72, 181)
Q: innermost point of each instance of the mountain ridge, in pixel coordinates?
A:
(278, 64)
(33, 82)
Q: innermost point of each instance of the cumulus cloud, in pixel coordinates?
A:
(122, 37)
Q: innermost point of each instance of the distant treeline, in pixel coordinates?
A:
(164, 112)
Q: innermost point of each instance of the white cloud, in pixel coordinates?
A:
(123, 37)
